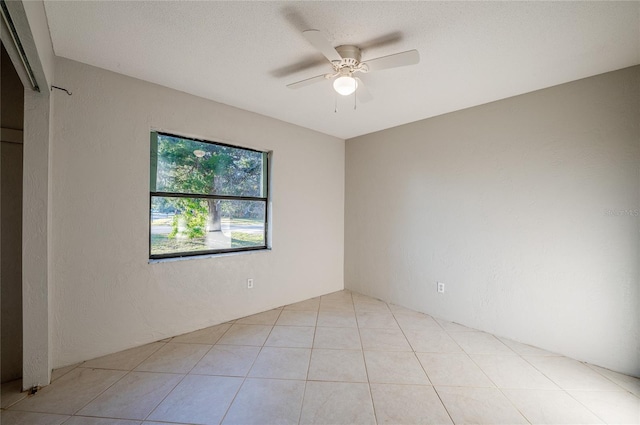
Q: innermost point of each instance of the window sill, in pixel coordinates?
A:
(205, 256)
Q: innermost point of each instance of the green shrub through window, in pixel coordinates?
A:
(206, 197)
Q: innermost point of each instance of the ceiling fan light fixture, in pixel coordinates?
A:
(345, 85)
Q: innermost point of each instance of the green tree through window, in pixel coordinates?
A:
(206, 197)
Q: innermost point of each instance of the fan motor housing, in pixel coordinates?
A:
(350, 55)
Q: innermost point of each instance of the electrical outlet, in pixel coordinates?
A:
(249, 283)
(440, 287)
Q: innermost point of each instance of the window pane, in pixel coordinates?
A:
(189, 166)
(184, 225)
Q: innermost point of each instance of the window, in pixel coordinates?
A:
(206, 197)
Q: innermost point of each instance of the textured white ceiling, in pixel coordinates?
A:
(244, 53)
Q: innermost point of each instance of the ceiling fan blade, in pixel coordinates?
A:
(320, 42)
(410, 57)
(383, 40)
(362, 92)
(307, 82)
(302, 65)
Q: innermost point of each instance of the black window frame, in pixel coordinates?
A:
(266, 199)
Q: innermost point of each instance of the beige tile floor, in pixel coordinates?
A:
(339, 359)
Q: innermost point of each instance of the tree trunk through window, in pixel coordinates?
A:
(213, 219)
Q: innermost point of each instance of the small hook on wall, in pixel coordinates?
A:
(60, 88)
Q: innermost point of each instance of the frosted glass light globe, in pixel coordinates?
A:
(345, 85)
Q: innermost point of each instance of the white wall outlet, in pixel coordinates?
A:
(249, 283)
(440, 287)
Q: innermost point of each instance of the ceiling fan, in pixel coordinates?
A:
(346, 61)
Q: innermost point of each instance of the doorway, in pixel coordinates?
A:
(11, 166)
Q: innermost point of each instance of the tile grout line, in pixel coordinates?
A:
(496, 385)
(565, 390)
(492, 381)
(127, 372)
(364, 360)
(560, 387)
(313, 340)
(244, 378)
(117, 352)
(77, 365)
(20, 392)
(584, 405)
(186, 374)
(610, 379)
(102, 392)
(422, 366)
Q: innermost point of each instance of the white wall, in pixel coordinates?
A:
(36, 240)
(107, 297)
(506, 204)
